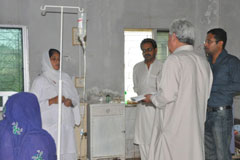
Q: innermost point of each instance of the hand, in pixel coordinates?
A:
(68, 102)
(147, 99)
(54, 100)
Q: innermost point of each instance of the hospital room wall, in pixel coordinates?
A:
(105, 39)
(106, 22)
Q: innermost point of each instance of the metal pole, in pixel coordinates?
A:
(60, 92)
(43, 8)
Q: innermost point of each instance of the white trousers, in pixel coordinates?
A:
(144, 151)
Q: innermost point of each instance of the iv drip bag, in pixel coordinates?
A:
(82, 25)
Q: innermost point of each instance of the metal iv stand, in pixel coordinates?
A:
(43, 8)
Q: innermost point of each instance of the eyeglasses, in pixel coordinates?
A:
(209, 41)
(147, 50)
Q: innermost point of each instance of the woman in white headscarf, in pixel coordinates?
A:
(45, 87)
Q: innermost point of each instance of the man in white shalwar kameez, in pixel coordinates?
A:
(178, 131)
(146, 74)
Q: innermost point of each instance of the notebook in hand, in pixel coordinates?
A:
(140, 97)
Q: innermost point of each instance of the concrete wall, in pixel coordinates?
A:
(106, 22)
(230, 21)
(105, 39)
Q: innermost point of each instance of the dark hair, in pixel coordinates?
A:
(219, 35)
(149, 40)
(52, 51)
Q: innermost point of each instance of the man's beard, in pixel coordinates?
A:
(146, 56)
(149, 57)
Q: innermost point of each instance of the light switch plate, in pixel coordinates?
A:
(79, 82)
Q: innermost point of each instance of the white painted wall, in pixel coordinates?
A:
(106, 21)
(105, 37)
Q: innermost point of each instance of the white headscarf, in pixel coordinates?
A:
(68, 89)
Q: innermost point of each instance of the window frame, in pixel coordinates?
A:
(25, 46)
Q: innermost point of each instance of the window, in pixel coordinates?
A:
(14, 73)
(162, 43)
(133, 53)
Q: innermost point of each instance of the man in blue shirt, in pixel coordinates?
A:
(226, 84)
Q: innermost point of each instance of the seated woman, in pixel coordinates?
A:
(45, 87)
(21, 133)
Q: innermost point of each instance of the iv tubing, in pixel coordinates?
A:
(84, 80)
